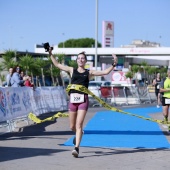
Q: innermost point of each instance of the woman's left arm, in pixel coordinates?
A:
(106, 71)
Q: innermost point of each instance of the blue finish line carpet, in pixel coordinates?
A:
(113, 129)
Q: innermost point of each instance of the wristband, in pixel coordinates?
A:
(113, 65)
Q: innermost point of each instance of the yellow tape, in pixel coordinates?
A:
(107, 106)
(34, 118)
(81, 88)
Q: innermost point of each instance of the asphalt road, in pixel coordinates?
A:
(39, 146)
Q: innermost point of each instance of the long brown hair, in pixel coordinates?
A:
(15, 70)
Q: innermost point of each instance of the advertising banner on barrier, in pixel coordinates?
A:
(119, 77)
(48, 99)
(17, 102)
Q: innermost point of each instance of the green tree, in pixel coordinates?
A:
(2, 77)
(73, 64)
(144, 65)
(135, 68)
(57, 72)
(27, 63)
(151, 74)
(163, 71)
(41, 68)
(129, 75)
(9, 59)
(81, 42)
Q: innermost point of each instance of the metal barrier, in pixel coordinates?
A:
(17, 103)
(106, 93)
(125, 94)
(11, 125)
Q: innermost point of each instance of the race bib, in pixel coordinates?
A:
(157, 87)
(167, 101)
(76, 98)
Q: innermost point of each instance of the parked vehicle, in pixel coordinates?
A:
(94, 86)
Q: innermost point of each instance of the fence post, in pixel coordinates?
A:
(125, 94)
(113, 96)
(137, 94)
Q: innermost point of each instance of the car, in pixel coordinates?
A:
(94, 86)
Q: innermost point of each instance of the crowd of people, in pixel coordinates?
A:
(17, 78)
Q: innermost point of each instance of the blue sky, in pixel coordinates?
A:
(24, 23)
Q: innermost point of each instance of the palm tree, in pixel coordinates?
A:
(57, 72)
(129, 75)
(9, 59)
(135, 69)
(1, 76)
(74, 65)
(144, 64)
(163, 72)
(27, 63)
(41, 64)
(151, 72)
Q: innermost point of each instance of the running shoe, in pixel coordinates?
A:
(75, 152)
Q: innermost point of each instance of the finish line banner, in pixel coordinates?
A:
(20, 101)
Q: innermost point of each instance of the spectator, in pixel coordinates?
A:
(139, 78)
(143, 76)
(8, 78)
(156, 83)
(28, 82)
(16, 80)
(22, 75)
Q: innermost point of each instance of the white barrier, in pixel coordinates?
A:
(18, 102)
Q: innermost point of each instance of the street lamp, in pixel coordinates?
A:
(96, 36)
(63, 39)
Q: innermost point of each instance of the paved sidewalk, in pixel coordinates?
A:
(40, 147)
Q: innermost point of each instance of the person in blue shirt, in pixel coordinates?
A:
(16, 80)
(8, 78)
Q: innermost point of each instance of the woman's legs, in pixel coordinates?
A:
(77, 115)
(72, 119)
(76, 124)
(166, 111)
(158, 99)
(79, 126)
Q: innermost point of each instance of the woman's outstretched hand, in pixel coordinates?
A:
(114, 59)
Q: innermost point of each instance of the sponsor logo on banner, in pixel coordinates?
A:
(2, 102)
(120, 78)
(26, 99)
(16, 102)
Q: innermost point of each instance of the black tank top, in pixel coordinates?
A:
(157, 84)
(80, 79)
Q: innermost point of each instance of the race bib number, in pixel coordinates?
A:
(167, 101)
(157, 86)
(76, 98)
